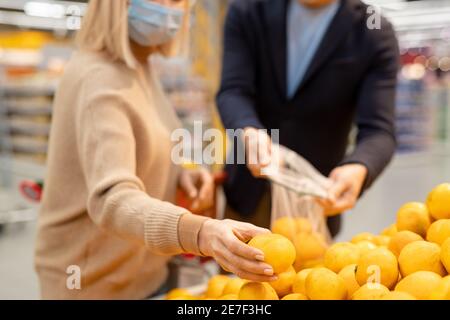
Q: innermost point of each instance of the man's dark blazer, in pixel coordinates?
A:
(352, 79)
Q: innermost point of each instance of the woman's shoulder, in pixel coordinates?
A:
(90, 77)
(98, 70)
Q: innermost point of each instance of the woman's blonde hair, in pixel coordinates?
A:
(105, 29)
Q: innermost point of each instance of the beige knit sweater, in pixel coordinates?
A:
(106, 207)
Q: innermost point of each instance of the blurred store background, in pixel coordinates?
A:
(36, 40)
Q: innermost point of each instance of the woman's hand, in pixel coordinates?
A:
(347, 182)
(199, 186)
(225, 241)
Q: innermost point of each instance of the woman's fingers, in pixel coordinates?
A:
(242, 273)
(206, 194)
(199, 185)
(242, 249)
(253, 277)
(217, 239)
(188, 185)
(246, 231)
(251, 266)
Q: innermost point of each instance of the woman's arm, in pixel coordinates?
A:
(118, 202)
(117, 199)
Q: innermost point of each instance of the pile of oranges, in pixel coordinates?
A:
(409, 260)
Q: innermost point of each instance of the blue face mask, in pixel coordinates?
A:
(152, 24)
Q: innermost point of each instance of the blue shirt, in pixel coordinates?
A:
(306, 29)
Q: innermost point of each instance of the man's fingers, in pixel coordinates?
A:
(324, 202)
(334, 175)
(341, 207)
(251, 145)
(337, 190)
(263, 150)
(258, 150)
(255, 170)
(341, 198)
(346, 202)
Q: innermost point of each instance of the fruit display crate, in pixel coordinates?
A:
(197, 290)
(408, 260)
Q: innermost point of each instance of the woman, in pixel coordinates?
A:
(106, 214)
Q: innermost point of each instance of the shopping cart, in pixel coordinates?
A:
(31, 190)
(14, 210)
(18, 212)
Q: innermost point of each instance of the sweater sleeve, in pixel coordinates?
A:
(117, 200)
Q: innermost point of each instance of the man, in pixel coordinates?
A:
(310, 68)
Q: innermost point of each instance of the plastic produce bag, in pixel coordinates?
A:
(296, 213)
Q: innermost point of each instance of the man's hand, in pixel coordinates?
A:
(258, 150)
(347, 182)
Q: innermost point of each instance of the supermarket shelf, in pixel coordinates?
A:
(22, 168)
(29, 111)
(20, 4)
(416, 21)
(25, 128)
(42, 14)
(15, 216)
(432, 155)
(27, 90)
(195, 291)
(25, 21)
